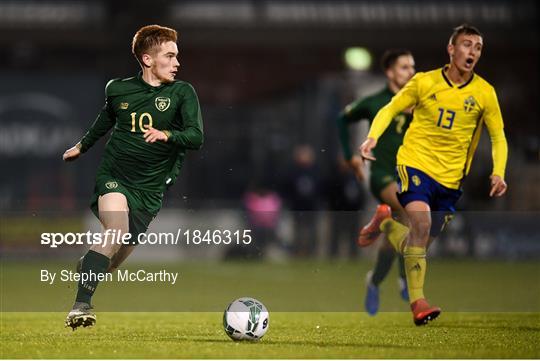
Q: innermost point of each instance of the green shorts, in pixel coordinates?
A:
(379, 180)
(143, 205)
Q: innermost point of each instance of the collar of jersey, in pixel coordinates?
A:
(146, 85)
(450, 83)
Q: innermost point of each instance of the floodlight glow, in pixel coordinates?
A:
(357, 58)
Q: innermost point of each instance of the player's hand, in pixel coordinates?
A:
(152, 135)
(356, 163)
(366, 147)
(72, 153)
(498, 186)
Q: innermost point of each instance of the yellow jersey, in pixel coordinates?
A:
(446, 126)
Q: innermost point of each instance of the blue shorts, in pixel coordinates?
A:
(415, 185)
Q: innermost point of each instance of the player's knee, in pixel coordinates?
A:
(420, 229)
(118, 221)
(114, 212)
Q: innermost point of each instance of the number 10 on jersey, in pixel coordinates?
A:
(141, 122)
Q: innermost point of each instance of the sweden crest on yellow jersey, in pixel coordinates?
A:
(469, 104)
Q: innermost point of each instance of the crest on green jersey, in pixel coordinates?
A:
(469, 104)
(162, 103)
(111, 185)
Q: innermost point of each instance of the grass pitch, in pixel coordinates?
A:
(291, 335)
(299, 286)
(490, 310)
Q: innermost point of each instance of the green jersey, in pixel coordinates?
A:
(388, 144)
(132, 105)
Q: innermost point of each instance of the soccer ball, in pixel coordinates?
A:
(245, 319)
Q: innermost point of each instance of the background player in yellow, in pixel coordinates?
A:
(451, 104)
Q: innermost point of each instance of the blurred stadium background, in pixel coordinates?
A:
(271, 77)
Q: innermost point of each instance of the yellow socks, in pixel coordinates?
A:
(395, 232)
(414, 257)
(415, 269)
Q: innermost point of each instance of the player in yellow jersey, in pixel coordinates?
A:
(451, 105)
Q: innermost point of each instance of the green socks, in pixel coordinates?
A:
(385, 257)
(94, 264)
(401, 265)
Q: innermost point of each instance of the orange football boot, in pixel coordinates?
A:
(423, 312)
(371, 231)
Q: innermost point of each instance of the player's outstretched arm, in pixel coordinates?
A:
(103, 123)
(367, 147)
(101, 126)
(72, 153)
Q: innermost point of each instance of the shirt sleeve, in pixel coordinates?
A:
(495, 126)
(404, 99)
(353, 112)
(103, 123)
(191, 135)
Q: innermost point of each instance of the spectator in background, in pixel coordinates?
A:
(263, 208)
(345, 197)
(301, 190)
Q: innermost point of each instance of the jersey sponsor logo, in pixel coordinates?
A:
(124, 105)
(469, 104)
(416, 180)
(111, 185)
(162, 103)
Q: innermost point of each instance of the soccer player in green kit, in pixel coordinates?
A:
(155, 120)
(398, 66)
